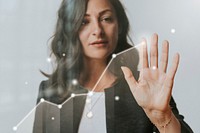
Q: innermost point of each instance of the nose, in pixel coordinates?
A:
(98, 30)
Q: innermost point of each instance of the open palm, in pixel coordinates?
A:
(153, 89)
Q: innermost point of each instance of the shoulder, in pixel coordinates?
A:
(44, 85)
(44, 88)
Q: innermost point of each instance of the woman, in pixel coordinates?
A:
(88, 32)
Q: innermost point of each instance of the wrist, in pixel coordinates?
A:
(172, 125)
(164, 122)
(160, 119)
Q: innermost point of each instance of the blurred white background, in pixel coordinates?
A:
(26, 26)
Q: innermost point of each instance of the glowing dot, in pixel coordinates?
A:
(89, 114)
(42, 100)
(90, 93)
(114, 55)
(88, 100)
(74, 82)
(154, 67)
(173, 31)
(26, 83)
(72, 95)
(143, 43)
(59, 106)
(63, 54)
(14, 128)
(49, 59)
(117, 98)
(52, 118)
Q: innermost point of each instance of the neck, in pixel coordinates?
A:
(92, 71)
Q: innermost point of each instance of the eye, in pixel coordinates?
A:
(107, 19)
(84, 22)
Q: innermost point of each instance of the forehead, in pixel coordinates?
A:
(97, 6)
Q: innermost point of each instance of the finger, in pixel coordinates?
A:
(164, 56)
(129, 78)
(174, 67)
(171, 74)
(145, 63)
(154, 51)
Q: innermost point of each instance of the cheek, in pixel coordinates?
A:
(83, 35)
(114, 34)
(81, 38)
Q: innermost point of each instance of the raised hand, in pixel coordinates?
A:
(153, 89)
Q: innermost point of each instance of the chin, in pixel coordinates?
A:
(98, 56)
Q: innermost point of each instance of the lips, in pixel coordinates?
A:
(99, 43)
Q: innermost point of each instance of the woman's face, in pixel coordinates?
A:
(99, 31)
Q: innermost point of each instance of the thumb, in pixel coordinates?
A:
(129, 78)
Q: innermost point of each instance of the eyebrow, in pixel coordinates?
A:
(100, 13)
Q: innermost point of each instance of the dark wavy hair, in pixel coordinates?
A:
(66, 46)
